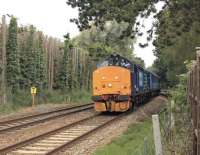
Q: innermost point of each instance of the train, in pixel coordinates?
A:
(119, 85)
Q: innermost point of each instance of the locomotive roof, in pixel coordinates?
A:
(132, 62)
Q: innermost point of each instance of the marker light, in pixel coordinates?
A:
(109, 85)
(116, 77)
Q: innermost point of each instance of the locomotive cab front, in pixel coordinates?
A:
(112, 85)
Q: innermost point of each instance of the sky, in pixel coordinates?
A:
(146, 53)
(52, 17)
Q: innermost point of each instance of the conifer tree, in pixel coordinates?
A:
(63, 75)
(40, 75)
(27, 61)
(69, 46)
(12, 56)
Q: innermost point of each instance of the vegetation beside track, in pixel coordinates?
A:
(132, 141)
(177, 138)
(23, 99)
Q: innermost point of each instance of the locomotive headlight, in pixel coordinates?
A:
(116, 77)
(109, 85)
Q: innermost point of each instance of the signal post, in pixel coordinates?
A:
(33, 93)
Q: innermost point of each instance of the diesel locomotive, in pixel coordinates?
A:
(120, 84)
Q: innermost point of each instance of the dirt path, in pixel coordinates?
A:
(105, 136)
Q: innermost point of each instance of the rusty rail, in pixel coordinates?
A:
(39, 118)
(10, 148)
(85, 135)
(107, 121)
(193, 98)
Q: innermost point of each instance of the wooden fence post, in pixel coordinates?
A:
(157, 135)
(193, 92)
(197, 98)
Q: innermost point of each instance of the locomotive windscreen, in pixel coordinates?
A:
(115, 60)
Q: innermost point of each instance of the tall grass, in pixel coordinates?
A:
(23, 98)
(132, 141)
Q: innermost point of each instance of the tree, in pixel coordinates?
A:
(177, 28)
(40, 62)
(64, 75)
(178, 34)
(138, 61)
(12, 56)
(101, 43)
(27, 58)
(99, 12)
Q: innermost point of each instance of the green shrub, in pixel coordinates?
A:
(179, 94)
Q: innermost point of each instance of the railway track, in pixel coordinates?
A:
(26, 121)
(60, 139)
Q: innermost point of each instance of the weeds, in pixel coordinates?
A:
(23, 98)
(177, 138)
(132, 141)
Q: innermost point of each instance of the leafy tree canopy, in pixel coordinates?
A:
(100, 43)
(178, 33)
(98, 12)
(177, 30)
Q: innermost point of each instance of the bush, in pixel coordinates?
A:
(179, 94)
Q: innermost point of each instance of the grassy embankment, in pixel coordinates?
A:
(23, 99)
(132, 141)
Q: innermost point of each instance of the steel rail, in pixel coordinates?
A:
(74, 141)
(40, 120)
(10, 148)
(67, 144)
(41, 114)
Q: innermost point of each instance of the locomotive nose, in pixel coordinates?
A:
(111, 80)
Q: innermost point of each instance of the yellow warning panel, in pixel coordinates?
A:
(33, 90)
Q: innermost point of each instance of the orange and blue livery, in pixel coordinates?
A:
(119, 85)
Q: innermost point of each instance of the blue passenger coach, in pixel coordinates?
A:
(146, 84)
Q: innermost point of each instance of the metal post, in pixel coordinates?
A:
(33, 100)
